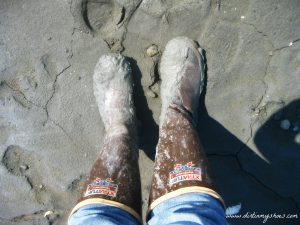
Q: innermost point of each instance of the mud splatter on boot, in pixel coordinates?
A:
(180, 164)
(114, 178)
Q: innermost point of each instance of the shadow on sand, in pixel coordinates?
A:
(263, 185)
(148, 129)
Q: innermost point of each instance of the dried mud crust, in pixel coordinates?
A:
(180, 55)
(113, 90)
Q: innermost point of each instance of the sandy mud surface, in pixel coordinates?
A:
(50, 129)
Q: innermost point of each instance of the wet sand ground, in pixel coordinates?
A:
(50, 129)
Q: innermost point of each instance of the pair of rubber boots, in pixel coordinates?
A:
(180, 163)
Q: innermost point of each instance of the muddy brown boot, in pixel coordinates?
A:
(114, 179)
(180, 163)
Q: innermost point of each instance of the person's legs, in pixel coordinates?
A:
(180, 163)
(114, 179)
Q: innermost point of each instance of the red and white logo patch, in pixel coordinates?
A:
(184, 172)
(102, 187)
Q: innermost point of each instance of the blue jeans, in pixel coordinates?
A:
(188, 209)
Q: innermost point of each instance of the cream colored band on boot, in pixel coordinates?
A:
(186, 190)
(91, 201)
